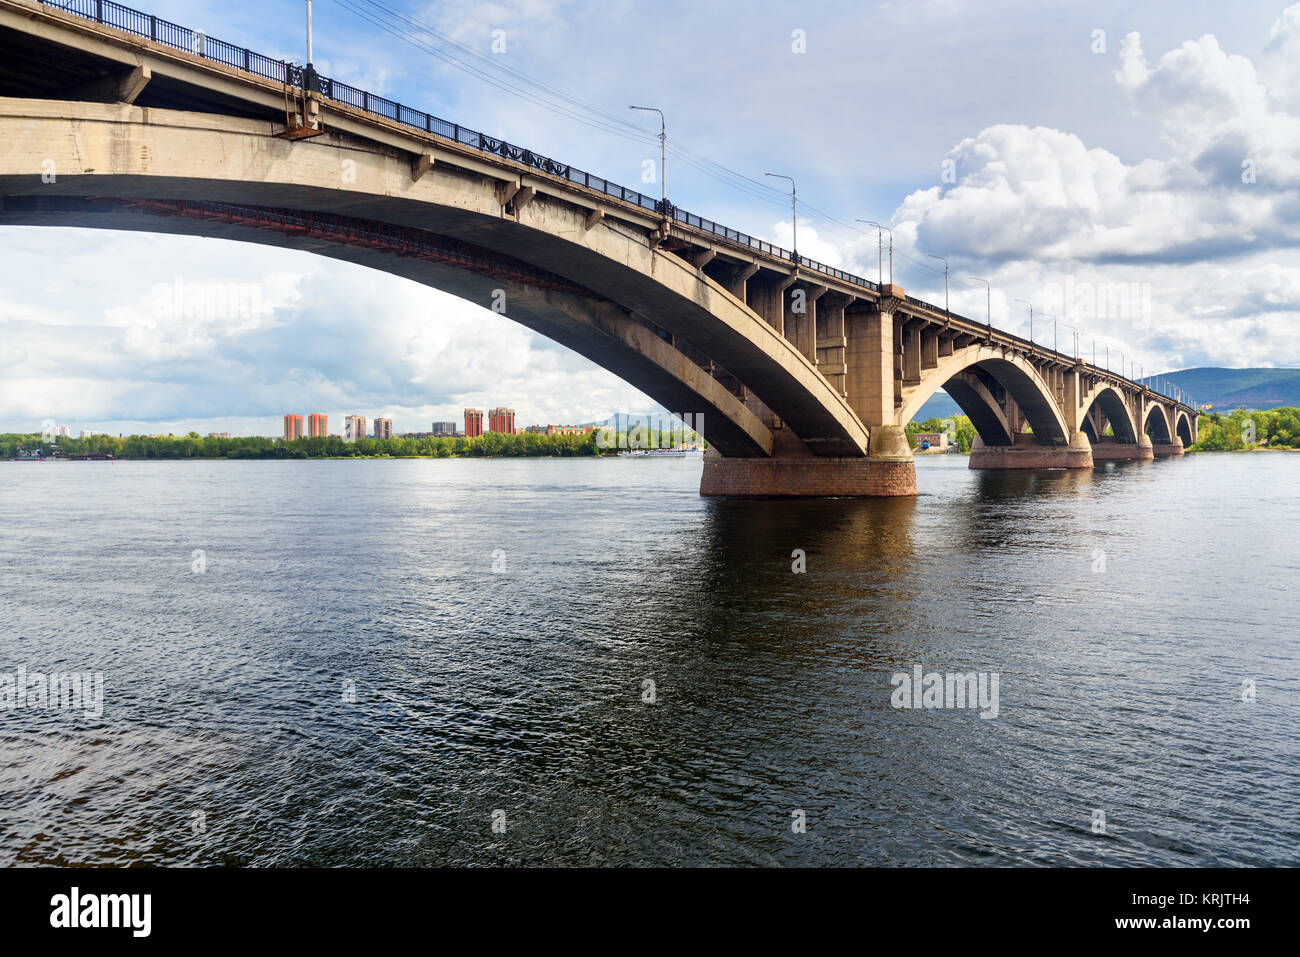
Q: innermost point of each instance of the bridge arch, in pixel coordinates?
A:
(973, 376)
(1183, 428)
(1156, 425)
(1111, 404)
(594, 286)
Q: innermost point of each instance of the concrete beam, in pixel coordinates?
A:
(134, 83)
(592, 218)
(523, 197)
(704, 258)
(911, 354)
(114, 88)
(738, 285)
(421, 164)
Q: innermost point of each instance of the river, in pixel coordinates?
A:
(576, 661)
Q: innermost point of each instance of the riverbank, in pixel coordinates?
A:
(195, 446)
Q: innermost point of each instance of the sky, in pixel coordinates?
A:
(1132, 170)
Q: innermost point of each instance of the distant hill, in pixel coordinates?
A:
(938, 406)
(653, 421)
(1230, 388)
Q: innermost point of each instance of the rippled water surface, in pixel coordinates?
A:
(349, 681)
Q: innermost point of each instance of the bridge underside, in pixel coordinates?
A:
(627, 345)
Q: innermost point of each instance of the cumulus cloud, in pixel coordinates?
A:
(1231, 183)
(1206, 237)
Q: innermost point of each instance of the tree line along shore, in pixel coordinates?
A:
(1239, 430)
(195, 446)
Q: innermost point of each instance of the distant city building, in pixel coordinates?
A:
(87, 433)
(65, 431)
(383, 428)
(354, 427)
(473, 423)
(292, 427)
(444, 429)
(560, 429)
(933, 440)
(318, 424)
(218, 435)
(501, 420)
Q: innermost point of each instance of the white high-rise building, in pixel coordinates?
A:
(354, 427)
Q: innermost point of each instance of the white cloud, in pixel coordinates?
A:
(296, 333)
(1212, 254)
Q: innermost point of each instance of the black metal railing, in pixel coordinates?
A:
(178, 37)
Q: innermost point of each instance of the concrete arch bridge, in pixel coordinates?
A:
(802, 376)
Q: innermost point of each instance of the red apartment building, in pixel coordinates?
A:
(473, 423)
(292, 427)
(318, 424)
(502, 420)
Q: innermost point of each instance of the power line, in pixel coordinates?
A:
(497, 64)
(462, 57)
(622, 129)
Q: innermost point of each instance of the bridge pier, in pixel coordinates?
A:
(1141, 450)
(888, 470)
(1026, 453)
(1169, 448)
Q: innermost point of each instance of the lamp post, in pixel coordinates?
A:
(1031, 319)
(946, 310)
(1076, 338)
(988, 303)
(663, 153)
(794, 214)
(309, 71)
(872, 222)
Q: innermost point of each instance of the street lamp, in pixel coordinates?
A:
(794, 214)
(1031, 319)
(663, 152)
(309, 71)
(946, 310)
(988, 302)
(1076, 337)
(871, 222)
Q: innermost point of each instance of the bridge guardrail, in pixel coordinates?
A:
(150, 27)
